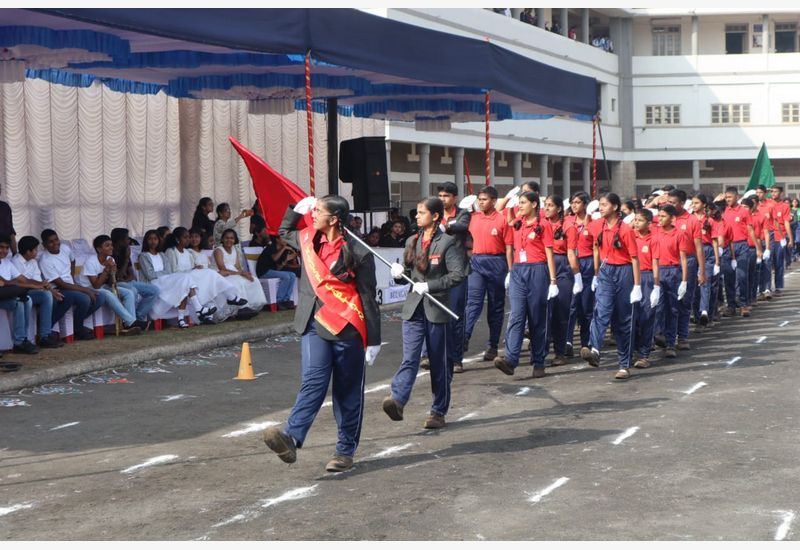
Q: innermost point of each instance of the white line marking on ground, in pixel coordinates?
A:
(694, 388)
(294, 494)
(384, 343)
(467, 416)
(523, 391)
(472, 359)
(151, 462)
(625, 435)
(783, 530)
(732, 361)
(14, 508)
(260, 374)
(234, 519)
(423, 373)
(377, 388)
(391, 450)
(784, 324)
(540, 495)
(761, 340)
(62, 426)
(252, 427)
(176, 397)
(326, 404)
(730, 432)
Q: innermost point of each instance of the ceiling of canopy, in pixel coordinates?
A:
(374, 67)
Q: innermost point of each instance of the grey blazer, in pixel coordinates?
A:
(146, 270)
(364, 271)
(447, 267)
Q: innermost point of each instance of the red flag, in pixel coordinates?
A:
(274, 191)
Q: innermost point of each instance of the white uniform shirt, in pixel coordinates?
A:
(8, 271)
(28, 268)
(57, 266)
(92, 267)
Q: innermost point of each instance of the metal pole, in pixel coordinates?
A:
(603, 149)
(406, 277)
(333, 146)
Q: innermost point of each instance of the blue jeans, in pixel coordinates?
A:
(612, 305)
(645, 328)
(83, 306)
(527, 293)
(559, 309)
(148, 294)
(50, 310)
(285, 285)
(580, 309)
(669, 306)
(321, 361)
(486, 279)
(124, 306)
(21, 308)
(417, 330)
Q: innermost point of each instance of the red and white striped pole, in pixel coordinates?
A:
(488, 156)
(310, 124)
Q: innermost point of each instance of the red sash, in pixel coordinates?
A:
(341, 303)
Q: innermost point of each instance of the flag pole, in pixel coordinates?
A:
(406, 277)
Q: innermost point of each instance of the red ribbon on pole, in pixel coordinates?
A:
(488, 156)
(310, 124)
(594, 157)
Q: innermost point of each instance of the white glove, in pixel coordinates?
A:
(733, 264)
(594, 283)
(305, 205)
(681, 290)
(397, 270)
(443, 227)
(577, 288)
(512, 202)
(552, 291)
(508, 280)
(716, 270)
(655, 296)
(371, 353)
(758, 260)
(468, 202)
(420, 288)
(636, 294)
(783, 243)
(766, 255)
(514, 192)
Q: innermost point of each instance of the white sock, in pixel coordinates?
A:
(196, 303)
(181, 314)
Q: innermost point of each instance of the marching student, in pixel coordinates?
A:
(490, 264)
(645, 310)
(703, 305)
(724, 244)
(671, 263)
(565, 241)
(617, 284)
(737, 217)
(783, 236)
(582, 302)
(338, 318)
(532, 283)
(765, 211)
(755, 246)
(436, 263)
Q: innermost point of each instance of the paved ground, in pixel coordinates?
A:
(700, 448)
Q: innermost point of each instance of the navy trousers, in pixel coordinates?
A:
(702, 299)
(321, 361)
(685, 305)
(612, 305)
(645, 315)
(736, 288)
(778, 260)
(486, 279)
(527, 293)
(559, 308)
(417, 330)
(752, 275)
(580, 310)
(455, 328)
(670, 279)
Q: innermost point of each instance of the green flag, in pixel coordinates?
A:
(762, 171)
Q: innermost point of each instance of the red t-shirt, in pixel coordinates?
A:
(449, 215)
(644, 244)
(329, 251)
(725, 231)
(490, 234)
(669, 246)
(707, 235)
(690, 225)
(738, 218)
(585, 239)
(569, 236)
(765, 208)
(758, 228)
(782, 213)
(608, 253)
(530, 241)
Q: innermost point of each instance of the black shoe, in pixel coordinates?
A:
(591, 356)
(52, 341)
(237, 302)
(143, 325)
(660, 340)
(283, 306)
(245, 313)
(131, 330)
(9, 366)
(568, 351)
(504, 366)
(26, 347)
(392, 408)
(490, 354)
(84, 333)
(704, 319)
(281, 444)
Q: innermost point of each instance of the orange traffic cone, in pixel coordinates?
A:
(245, 364)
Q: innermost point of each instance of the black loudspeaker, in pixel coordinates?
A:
(362, 162)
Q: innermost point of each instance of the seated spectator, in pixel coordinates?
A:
(287, 257)
(7, 224)
(260, 237)
(51, 303)
(211, 286)
(58, 267)
(200, 220)
(99, 272)
(163, 233)
(413, 228)
(208, 242)
(224, 221)
(356, 224)
(267, 268)
(196, 240)
(176, 290)
(229, 261)
(374, 237)
(146, 293)
(396, 237)
(20, 306)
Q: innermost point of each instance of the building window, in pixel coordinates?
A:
(730, 113)
(666, 40)
(735, 38)
(658, 115)
(790, 112)
(785, 37)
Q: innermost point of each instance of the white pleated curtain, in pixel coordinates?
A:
(85, 160)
